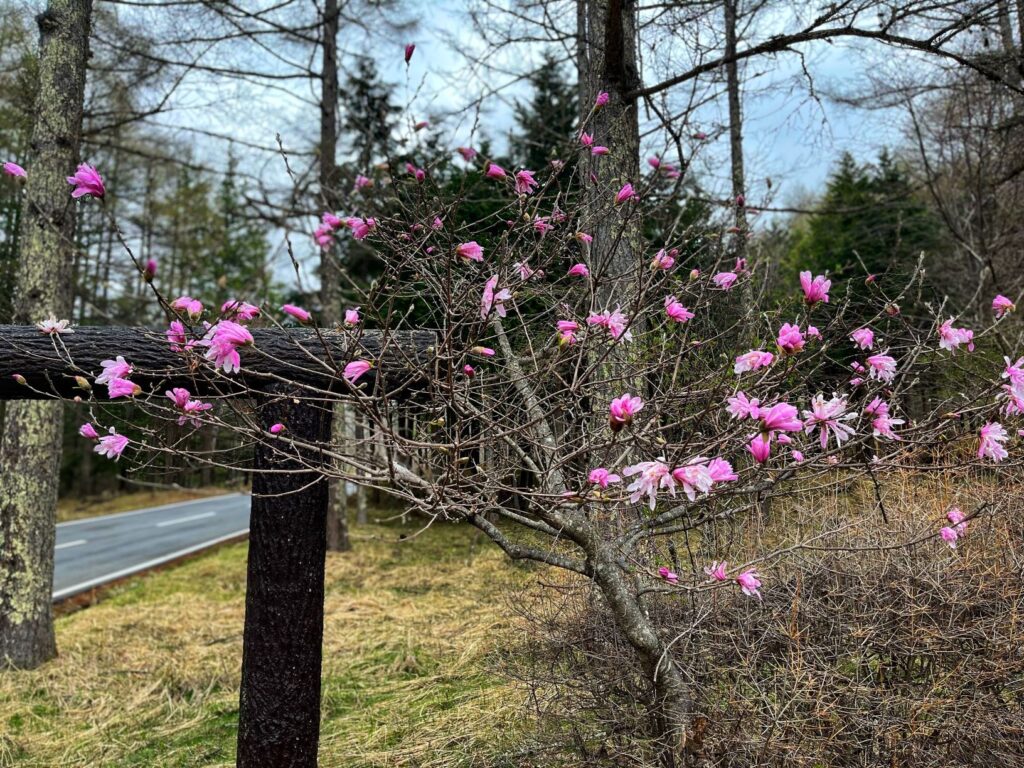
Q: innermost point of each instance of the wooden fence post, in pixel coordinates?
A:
(279, 700)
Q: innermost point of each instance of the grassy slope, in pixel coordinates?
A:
(149, 676)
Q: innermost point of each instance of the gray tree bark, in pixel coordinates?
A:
(607, 62)
(30, 447)
(330, 300)
(739, 192)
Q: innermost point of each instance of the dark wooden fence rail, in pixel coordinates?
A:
(279, 698)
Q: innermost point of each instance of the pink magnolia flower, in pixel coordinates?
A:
(191, 307)
(482, 351)
(579, 270)
(362, 181)
(409, 51)
(721, 471)
(122, 388)
(622, 409)
(223, 341)
(694, 478)
(355, 369)
(276, 429)
(615, 322)
(179, 396)
(52, 326)
(1001, 305)
(567, 331)
(601, 100)
(670, 576)
(781, 417)
(598, 150)
(89, 431)
(881, 367)
(827, 416)
(750, 583)
(297, 312)
(526, 272)
(86, 181)
(13, 169)
(470, 251)
(468, 153)
(815, 289)
(950, 338)
(602, 477)
(149, 271)
(677, 311)
(583, 237)
(495, 171)
(176, 335)
(863, 338)
(625, 194)
(493, 299)
(586, 140)
(418, 173)
(716, 571)
(361, 228)
(652, 476)
(541, 225)
(469, 371)
(760, 447)
(742, 407)
(990, 445)
(654, 162)
(752, 360)
(725, 280)
(949, 535)
(798, 456)
(664, 260)
(118, 368)
(813, 333)
(1014, 372)
(190, 408)
(670, 171)
(240, 311)
(324, 237)
(525, 183)
(956, 518)
(882, 424)
(791, 339)
(331, 222)
(112, 445)
(352, 316)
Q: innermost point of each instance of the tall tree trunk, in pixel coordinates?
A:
(739, 193)
(31, 444)
(606, 51)
(330, 300)
(607, 62)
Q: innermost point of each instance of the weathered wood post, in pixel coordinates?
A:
(279, 698)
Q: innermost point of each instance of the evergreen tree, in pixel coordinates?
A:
(869, 214)
(548, 122)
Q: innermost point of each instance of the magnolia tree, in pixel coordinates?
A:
(583, 414)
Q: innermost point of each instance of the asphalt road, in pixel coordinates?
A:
(96, 550)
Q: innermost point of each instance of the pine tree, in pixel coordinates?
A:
(547, 123)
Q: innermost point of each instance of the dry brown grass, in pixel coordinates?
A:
(149, 677)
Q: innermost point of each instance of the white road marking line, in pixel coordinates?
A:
(147, 510)
(189, 519)
(68, 544)
(144, 566)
